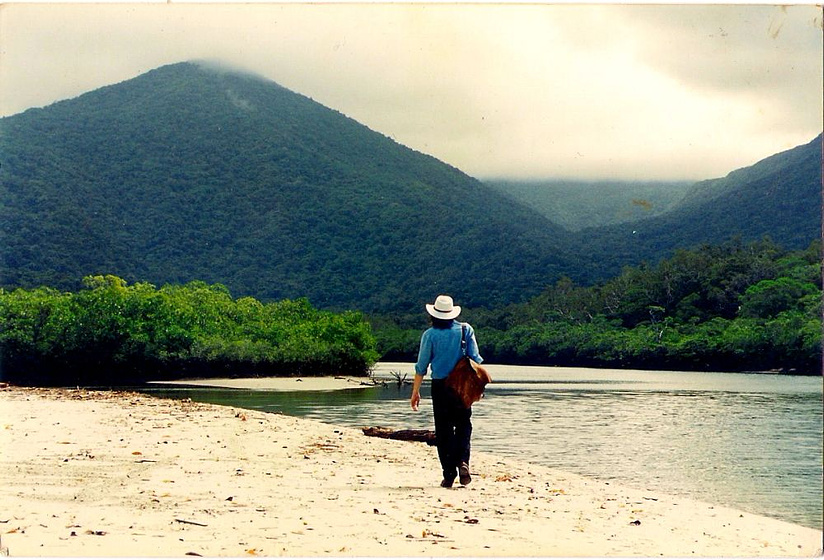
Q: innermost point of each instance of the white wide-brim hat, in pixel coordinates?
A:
(443, 308)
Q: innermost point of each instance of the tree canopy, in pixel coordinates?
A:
(732, 307)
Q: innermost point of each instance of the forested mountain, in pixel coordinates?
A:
(778, 198)
(576, 205)
(194, 172)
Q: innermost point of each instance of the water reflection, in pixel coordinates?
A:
(749, 441)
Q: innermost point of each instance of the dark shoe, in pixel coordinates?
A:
(447, 482)
(463, 472)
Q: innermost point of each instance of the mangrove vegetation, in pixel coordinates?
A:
(112, 333)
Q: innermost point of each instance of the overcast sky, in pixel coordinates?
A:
(497, 90)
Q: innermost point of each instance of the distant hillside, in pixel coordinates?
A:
(188, 172)
(778, 197)
(779, 182)
(576, 205)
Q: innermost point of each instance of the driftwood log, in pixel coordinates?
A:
(426, 436)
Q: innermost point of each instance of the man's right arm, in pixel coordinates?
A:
(416, 392)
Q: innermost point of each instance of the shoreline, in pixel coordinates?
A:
(116, 474)
(284, 384)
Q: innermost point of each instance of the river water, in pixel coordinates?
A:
(750, 441)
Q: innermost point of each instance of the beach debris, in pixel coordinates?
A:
(188, 522)
(320, 445)
(636, 522)
(193, 554)
(426, 436)
(427, 535)
(97, 533)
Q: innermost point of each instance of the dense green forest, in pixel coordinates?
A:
(733, 307)
(187, 172)
(111, 333)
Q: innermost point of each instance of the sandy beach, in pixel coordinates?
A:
(122, 474)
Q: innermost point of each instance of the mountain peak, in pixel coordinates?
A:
(210, 66)
(200, 170)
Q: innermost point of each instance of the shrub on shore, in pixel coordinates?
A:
(111, 333)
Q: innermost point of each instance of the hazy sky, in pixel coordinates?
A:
(497, 90)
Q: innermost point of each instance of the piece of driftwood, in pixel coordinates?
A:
(426, 436)
(186, 521)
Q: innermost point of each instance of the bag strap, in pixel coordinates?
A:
(463, 339)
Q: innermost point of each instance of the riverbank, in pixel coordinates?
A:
(123, 474)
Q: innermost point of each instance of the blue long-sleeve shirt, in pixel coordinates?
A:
(441, 349)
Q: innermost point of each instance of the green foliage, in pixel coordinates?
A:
(112, 333)
(732, 307)
(769, 298)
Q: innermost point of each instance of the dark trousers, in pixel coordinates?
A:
(453, 428)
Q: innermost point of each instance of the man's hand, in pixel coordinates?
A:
(415, 400)
(416, 392)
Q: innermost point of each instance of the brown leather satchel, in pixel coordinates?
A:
(468, 378)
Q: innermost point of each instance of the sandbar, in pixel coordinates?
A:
(285, 384)
(120, 474)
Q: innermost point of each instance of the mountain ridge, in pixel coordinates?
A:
(778, 197)
(705, 191)
(184, 173)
